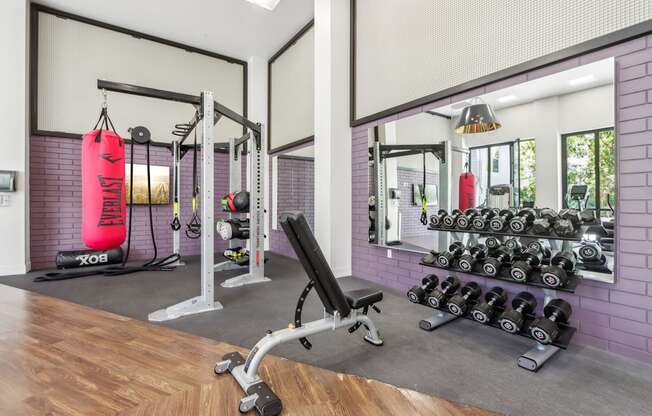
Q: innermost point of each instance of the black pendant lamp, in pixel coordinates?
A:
(477, 118)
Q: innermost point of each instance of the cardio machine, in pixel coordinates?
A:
(341, 310)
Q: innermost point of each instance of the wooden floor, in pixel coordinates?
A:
(59, 358)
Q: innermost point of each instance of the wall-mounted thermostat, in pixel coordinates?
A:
(7, 181)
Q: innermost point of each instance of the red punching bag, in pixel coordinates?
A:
(103, 190)
(467, 191)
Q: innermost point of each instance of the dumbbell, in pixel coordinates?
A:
(484, 312)
(590, 252)
(451, 219)
(569, 220)
(537, 245)
(523, 220)
(492, 243)
(480, 222)
(514, 245)
(529, 259)
(512, 320)
(546, 329)
(472, 256)
(459, 304)
(500, 221)
(437, 220)
(498, 258)
(418, 293)
(464, 221)
(448, 287)
(561, 266)
(455, 251)
(547, 219)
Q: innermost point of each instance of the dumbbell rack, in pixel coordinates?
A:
(534, 358)
(537, 356)
(551, 236)
(533, 280)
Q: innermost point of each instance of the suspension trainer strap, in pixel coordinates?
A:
(193, 228)
(424, 208)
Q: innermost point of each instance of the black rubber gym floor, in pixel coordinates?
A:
(461, 361)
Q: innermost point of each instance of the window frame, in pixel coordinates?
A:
(596, 168)
(513, 144)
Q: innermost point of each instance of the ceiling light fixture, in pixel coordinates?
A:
(265, 4)
(506, 99)
(582, 80)
(478, 117)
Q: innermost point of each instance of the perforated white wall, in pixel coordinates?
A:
(412, 48)
(293, 92)
(73, 55)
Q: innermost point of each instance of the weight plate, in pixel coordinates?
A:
(479, 316)
(551, 280)
(489, 269)
(508, 326)
(518, 274)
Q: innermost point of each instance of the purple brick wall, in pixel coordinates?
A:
(55, 202)
(410, 214)
(614, 317)
(296, 191)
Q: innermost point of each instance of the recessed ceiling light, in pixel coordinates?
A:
(506, 99)
(582, 80)
(265, 4)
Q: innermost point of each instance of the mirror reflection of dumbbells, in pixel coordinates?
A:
(512, 320)
(484, 312)
(568, 223)
(474, 255)
(448, 287)
(514, 246)
(528, 260)
(546, 221)
(562, 266)
(500, 222)
(450, 220)
(458, 304)
(447, 258)
(492, 243)
(590, 252)
(480, 222)
(418, 293)
(438, 220)
(498, 258)
(546, 329)
(465, 220)
(523, 220)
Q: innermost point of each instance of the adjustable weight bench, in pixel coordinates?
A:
(341, 310)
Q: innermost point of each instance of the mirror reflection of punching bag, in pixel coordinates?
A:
(467, 191)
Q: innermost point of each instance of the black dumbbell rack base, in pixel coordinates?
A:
(533, 280)
(566, 332)
(551, 236)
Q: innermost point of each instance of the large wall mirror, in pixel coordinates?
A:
(548, 160)
(293, 183)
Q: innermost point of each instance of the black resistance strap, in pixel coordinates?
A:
(424, 207)
(193, 228)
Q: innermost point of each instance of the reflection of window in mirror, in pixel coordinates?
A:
(588, 158)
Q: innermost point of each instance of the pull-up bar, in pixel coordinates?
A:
(177, 97)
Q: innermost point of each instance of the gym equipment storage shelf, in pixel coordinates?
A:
(534, 280)
(566, 332)
(551, 236)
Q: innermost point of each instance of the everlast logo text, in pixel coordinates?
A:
(111, 198)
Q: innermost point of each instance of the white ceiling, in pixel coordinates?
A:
(235, 28)
(549, 86)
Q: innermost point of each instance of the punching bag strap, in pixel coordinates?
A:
(104, 121)
(424, 201)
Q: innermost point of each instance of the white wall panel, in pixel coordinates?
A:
(73, 55)
(409, 49)
(292, 98)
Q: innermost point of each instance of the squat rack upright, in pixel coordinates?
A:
(209, 112)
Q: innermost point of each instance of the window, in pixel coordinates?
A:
(588, 158)
(511, 163)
